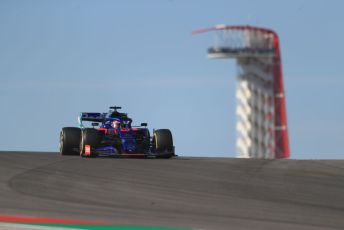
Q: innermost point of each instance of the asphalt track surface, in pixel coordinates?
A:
(199, 193)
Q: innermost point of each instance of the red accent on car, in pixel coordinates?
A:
(125, 130)
(103, 130)
(87, 150)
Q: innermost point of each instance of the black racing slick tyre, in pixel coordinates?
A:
(91, 137)
(163, 143)
(69, 141)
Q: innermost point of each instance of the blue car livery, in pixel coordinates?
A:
(112, 134)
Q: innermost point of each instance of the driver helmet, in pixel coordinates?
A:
(115, 124)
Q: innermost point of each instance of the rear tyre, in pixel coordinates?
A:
(163, 143)
(69, 140)
(91, 137)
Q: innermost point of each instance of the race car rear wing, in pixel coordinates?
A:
(94, 117)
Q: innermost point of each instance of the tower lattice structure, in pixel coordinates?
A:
(260, 99)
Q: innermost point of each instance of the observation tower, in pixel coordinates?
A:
(261, 126)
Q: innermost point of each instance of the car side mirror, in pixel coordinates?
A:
(95, 124)
(144, 124)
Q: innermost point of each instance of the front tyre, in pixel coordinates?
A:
(69, 140)
(162, 143)
(91, 137)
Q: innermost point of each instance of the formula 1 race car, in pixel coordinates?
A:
(112, 134)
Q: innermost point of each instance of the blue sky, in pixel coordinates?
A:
(58, 58)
